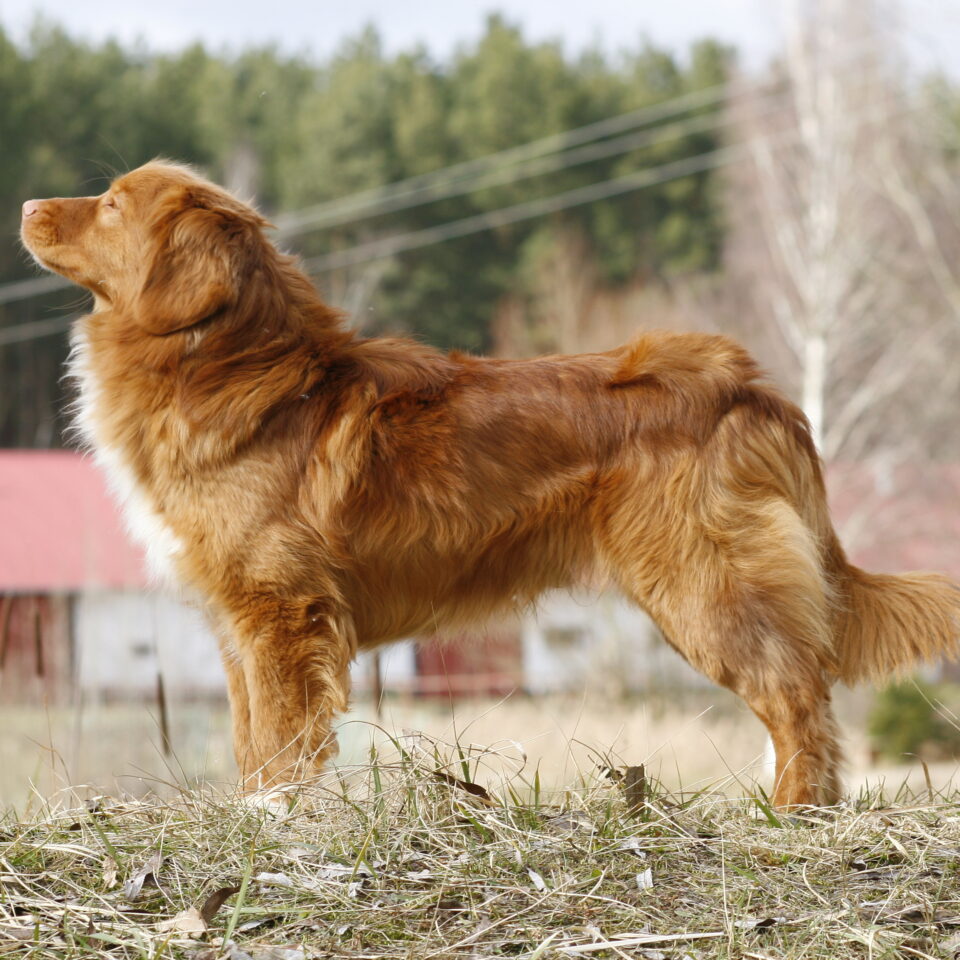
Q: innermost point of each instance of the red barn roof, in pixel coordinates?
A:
(59, 528)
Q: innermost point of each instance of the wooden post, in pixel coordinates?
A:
(6, 611)
(376, 685)
(39, 666)
(165, 742)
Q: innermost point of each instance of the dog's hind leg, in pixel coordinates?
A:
(754, 654)
(747, 605)
(804, 733)
(788, 691)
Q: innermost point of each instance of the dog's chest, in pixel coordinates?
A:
(144, 521)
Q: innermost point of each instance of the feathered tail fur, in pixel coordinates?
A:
(887, 624)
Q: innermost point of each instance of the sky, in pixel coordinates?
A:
(320, 25)
(931, 28)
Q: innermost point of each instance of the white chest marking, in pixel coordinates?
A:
(144, 522)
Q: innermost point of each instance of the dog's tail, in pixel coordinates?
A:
(886, 624)
(881, 624)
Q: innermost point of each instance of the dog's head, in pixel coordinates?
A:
(163, 245)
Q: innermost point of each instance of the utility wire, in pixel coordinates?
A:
(334, 210)
(388, 246)
(378, 249)
(541, 165)
(33, 330)
(646, 177)
(34, 287)
(451, 181)
(500, 167)
(348, 210)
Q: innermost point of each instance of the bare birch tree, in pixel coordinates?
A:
(841, 245)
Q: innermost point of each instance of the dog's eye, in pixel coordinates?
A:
(110, 202)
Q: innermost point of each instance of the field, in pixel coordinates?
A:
(505, 830)
(443, 850)
(688, 740)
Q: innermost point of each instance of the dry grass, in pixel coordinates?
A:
(688, 740)
(434, 851)
(115, 748)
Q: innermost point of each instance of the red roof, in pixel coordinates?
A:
(59, 527)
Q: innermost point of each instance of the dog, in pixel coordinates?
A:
(325, 493)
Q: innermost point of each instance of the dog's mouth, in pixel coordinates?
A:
(44, 261)
(74, 274)
(53, 265)
(38, 239)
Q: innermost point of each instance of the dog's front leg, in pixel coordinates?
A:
(239, 713)
(236, 691)
(296, 668)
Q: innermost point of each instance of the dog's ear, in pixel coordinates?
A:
(192, 272)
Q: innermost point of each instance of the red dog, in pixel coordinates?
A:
(326, 493)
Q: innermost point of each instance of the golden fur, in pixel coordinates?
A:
(325, 493)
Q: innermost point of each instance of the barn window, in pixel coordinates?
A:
(564, 638)
(142, 649)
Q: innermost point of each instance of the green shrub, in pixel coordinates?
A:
(915, 717)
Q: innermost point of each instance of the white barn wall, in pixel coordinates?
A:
(124, 638)
(601, 641)
(398, 667)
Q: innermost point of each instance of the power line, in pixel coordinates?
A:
(388, 246)
(646, 177)
(378, 249)
(308, 217)
(34, 287)
(540, 165)
(500, 167)
(33, 330)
